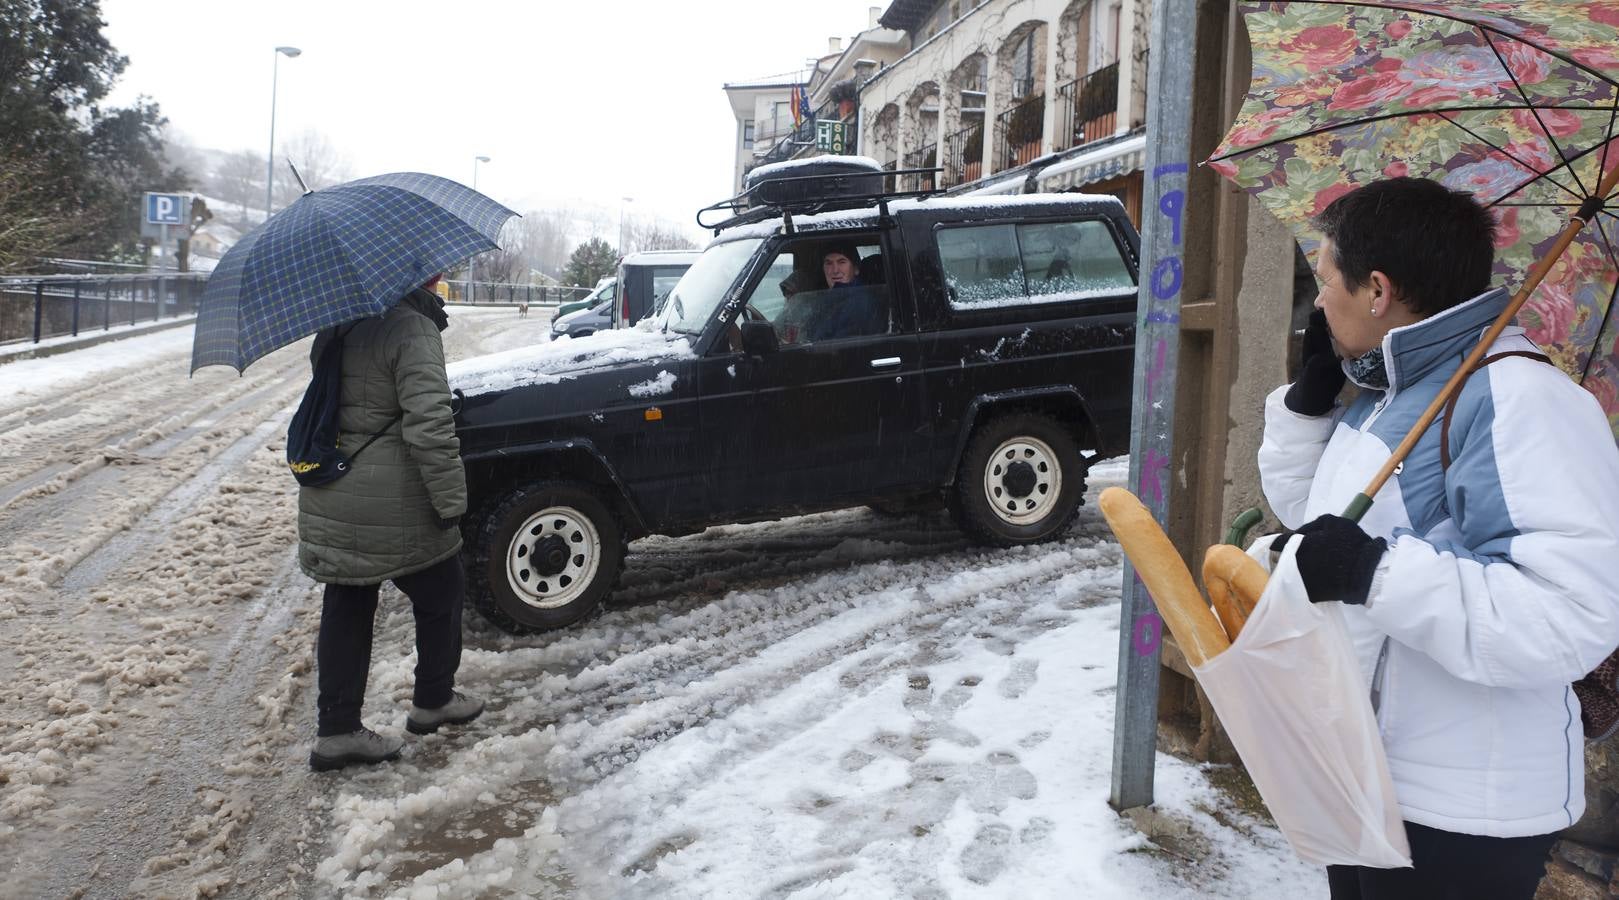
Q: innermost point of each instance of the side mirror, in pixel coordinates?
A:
(758, 338)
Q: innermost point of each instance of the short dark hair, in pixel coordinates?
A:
(1436, 245)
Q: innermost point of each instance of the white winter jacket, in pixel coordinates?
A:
(1501, 584)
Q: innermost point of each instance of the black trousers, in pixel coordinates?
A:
(1448, 865)
(343, 650)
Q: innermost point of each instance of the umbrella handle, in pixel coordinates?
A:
(1587, 211)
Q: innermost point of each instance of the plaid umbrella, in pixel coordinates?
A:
(1514, 102)
(337, 255)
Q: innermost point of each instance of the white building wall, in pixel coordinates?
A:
(987, 29)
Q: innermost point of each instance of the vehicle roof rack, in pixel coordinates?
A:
(788, 195)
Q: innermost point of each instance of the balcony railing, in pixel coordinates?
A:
(1018, 132)
(1022, 87)
(964, 153)
(1088, 108)
(924, 157)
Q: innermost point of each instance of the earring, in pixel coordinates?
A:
(1374, 309)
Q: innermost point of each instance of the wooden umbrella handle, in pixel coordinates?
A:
(1588, 211)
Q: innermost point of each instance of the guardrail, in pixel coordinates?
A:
(40, 306)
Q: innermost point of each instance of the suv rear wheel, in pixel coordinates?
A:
(1021, 480)
(544, 557)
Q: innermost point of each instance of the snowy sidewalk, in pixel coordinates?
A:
(87, 337)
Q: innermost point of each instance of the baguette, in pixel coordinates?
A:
(1161, 569)
(1234, 581)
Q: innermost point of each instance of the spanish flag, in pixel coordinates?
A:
(799, 101)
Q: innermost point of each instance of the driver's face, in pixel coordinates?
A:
(837, 268)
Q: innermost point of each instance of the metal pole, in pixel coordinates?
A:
(39, 306)
(106, 306)
(75, 309)
(163, 265)
(269, 160)
(1169, 113)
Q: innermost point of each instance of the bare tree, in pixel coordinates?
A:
(544, 235)
(31, 225)
(240, 181)
(656, 234)
(319, 161)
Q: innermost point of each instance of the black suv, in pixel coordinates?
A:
(969, 352)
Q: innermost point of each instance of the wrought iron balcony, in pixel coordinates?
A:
(1018, 132)
(964, 155)
(923, 157)
(1087, 108)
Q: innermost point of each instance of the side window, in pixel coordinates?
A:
(1072, 260)
(814, 291)
(981, 265)
(1005, 264)
(664, 280)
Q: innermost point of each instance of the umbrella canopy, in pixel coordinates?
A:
(1515, 102)
(337, 255)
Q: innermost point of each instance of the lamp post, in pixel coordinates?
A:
(621, 251)
(475, 161)
(269, 173)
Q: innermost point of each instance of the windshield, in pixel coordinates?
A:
(702, 289)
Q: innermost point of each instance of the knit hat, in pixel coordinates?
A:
(847, 248)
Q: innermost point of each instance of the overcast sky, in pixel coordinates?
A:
(583, 102)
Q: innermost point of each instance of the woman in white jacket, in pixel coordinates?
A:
(1485, 578)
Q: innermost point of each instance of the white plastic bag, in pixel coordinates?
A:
(1291, 696)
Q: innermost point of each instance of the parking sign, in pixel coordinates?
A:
(167, 209)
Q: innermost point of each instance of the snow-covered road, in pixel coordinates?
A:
(838, 705)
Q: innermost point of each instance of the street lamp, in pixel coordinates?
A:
(475, 161)
(627, 200)
(269, 174)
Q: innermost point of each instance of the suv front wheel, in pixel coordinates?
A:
(544, 557)
(1021, 480)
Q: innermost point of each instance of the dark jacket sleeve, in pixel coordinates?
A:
(427, 426)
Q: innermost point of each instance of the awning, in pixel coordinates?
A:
(1014, 185)
(1110, 160)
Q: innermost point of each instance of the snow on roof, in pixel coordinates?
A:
(786, 165)
(864, 216)
(651, 257)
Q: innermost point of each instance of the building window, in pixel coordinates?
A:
(1110, 34)
(747, 134)
(1023, 67)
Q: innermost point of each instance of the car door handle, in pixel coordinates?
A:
(885, 362)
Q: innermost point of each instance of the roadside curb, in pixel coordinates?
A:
(38, 351)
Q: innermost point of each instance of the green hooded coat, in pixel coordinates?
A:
(381, 520)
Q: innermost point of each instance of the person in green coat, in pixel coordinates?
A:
(393, 517)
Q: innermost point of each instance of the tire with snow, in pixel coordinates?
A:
(544, 556)
(1020, 481)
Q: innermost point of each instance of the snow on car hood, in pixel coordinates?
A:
(551, 362)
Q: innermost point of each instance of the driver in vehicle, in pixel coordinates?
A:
(847, 308)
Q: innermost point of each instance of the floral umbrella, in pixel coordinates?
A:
(1516, 102)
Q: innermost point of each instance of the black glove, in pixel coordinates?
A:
(445, 524)
(1337, 559)
(1320, 376)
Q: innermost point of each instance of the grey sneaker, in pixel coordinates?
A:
(335, 751)
(461, 709)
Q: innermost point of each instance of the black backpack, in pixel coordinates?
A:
(312, 452)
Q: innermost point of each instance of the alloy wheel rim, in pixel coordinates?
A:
(1015, 497)
(531, 572)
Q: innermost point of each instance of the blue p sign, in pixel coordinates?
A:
(167, 209)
